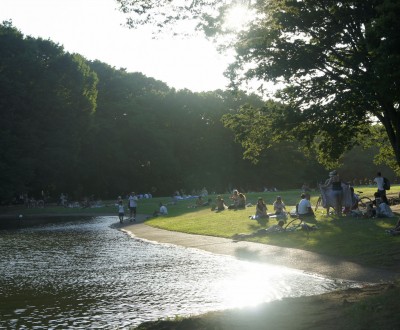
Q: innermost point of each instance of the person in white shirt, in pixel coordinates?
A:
(132, 204)
(304, 207)
(121, 211)
(161, 211)
(379, 180)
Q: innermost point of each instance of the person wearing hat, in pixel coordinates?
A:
(337, 191)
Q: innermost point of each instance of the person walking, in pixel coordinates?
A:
(132, 203)
(380, 182)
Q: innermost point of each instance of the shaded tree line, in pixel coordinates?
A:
(85, 128)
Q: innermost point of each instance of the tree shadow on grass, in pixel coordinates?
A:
(314, 263)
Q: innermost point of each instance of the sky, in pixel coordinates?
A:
(93, 28)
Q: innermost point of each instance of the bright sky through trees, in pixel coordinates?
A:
(93, 29)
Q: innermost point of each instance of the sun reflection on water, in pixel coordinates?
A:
(258, 283)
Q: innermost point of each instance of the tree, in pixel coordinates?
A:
(338, 60)
(340, 64)
(47, 97)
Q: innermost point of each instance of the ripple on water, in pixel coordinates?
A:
(81, 273)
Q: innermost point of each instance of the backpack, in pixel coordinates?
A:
(386, 184)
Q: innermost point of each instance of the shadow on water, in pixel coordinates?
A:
(19, 222)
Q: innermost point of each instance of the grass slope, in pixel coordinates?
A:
(355, 239)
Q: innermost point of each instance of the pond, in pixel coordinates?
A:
(86, 273)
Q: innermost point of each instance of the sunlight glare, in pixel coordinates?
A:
(237, 17)
(254, 285)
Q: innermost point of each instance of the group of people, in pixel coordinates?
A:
(132, 205)
(238, 201)
(200, 202)
(303, 208)
(340, 196)
(335, 194)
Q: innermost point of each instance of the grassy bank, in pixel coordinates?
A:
(355, 239)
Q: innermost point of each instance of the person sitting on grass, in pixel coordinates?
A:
(279, 206)
(303, 208)
(235, 200)
(278, 228)
(199, 201)
(220, 204)
(381, 209)
(161, 211)
(354, 199)
(384, 211)
(261, 211)
(396, 230)
(241, 202)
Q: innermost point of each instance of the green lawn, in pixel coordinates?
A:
(355, 239)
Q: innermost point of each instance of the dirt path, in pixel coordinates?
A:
(293, 258)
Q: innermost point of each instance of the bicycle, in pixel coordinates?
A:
(299, 224)
(363, 202)
(293, 224)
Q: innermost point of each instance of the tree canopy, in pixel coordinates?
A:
(338, 60)
(69, 125)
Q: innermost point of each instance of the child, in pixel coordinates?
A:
(121, 211)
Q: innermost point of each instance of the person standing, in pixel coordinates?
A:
(132, 203)
(335, 184)
(380, 182)
(121, 211)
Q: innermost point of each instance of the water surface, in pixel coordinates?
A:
(86, 274)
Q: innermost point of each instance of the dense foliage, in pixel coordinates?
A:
(85, 128)
(340, 63)
(338, 60)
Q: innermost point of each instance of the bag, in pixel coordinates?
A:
(386, 184)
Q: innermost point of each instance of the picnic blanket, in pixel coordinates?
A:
(328, 199)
